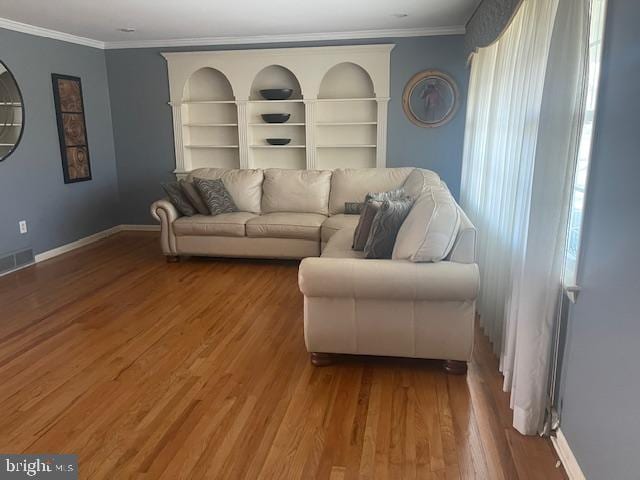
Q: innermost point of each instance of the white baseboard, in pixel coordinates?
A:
(140, 228)
(41, 257)
(574, 472)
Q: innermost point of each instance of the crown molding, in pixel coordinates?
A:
(47, 33)
(230, 40)
(293, 37)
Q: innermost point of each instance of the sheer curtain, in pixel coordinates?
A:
(526, 97)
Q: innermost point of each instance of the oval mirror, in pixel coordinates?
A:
(11, 112)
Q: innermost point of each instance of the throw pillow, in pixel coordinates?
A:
(431, 228)
(353, 208)
(194, 197)
(369, 210)
(385, 227)
(178, 198)
(215, 196)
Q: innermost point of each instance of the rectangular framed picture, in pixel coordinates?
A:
(72, 129)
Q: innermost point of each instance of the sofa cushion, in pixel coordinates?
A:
(337, 222)
(302, 191)
(223, 225)
(430, 229)
(244, 185)
(351, 185)
(305, 226)
(419, 180)
(339, 245)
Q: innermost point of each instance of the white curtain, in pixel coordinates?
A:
(524, 113)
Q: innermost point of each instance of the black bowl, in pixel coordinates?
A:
(276, 93)
(275, 117)
(278, 141)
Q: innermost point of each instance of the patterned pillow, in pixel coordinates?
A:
(385, 226)
(178, 198)
(194, 197)
(215, 196)
(372, 203)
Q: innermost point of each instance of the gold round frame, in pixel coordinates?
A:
(411, 85)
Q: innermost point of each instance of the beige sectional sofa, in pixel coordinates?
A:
(352, 305)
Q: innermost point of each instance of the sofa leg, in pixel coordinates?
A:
(172, 258)
(455, 367)
(321, 359)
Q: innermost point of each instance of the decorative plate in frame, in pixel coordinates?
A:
(430, 98)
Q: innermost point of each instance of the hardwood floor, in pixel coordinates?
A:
(198, 370)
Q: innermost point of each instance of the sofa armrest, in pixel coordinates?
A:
(388, 279)
(164, 212)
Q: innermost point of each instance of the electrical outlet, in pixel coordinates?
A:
(23, 226)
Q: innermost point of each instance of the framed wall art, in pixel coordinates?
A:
(430, 99)
(72, 129)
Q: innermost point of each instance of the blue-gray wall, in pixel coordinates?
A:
(31, 182)
(139, 93)
(600, 395)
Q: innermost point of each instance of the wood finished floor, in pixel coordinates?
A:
(198, 370)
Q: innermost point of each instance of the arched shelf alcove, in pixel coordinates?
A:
(207, 84)
(346, 126)
(210, 120)
(346, 80)
(275, 76)
(261, 153)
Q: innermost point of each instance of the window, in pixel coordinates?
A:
(598, 9)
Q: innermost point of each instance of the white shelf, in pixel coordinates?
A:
(278, 146)
(10, 104)
(330, 124)
(7, 144)
(285, 124)
(347, 146)
(292, 100)
(204, 102)
(363, 99)
(10, 124)
(210, 124)
(211, 146)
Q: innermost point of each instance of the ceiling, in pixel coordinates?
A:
(177, 22)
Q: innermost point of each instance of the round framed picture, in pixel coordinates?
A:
(430, 98)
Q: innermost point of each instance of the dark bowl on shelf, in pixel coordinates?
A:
(276, 93)
(276, 117)
(278, 141)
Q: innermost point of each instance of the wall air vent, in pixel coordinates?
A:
(15, 260)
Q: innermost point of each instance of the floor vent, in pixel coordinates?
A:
(16, 260)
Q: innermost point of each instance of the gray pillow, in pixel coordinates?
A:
(194, 197)
(385, 226)
(215, 196)
(372, 202)
(353, 208)
(178, 198)
(369, 211)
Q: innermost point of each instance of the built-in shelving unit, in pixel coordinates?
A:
(338, 109)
